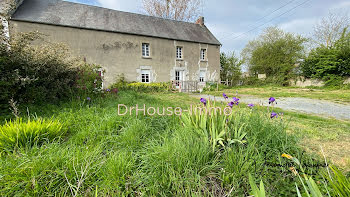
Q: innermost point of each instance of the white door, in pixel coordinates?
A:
(178, 77)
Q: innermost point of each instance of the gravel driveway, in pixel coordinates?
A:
(306, 105)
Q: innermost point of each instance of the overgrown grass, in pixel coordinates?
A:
(19, 134)
(133, 155)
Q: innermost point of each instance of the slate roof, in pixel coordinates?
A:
(63, 13)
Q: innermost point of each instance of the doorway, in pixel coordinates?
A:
(178, 78)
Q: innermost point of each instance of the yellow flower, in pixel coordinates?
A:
(287, 156)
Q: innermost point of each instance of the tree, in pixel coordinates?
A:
(274, 53)
(330, 28)
(183, 10)
(328, 63)
(230, 67)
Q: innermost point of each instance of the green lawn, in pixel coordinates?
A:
(340, 95)
(105, 154)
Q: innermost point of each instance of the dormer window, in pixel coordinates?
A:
(145, 50)
(203, 54)
(178, 52)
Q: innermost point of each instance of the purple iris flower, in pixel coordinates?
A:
(204, 101)
(88, 98)
(108, 90)
(235, 100)
(230, 104)
(224, 95)
(273, 115)
(272, 100)
(251, 105)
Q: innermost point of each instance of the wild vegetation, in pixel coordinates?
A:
(121, 85)
(275, 53)
(65, 136)
(41, 73)
(285, 57)
(115, 155)
(331, 63)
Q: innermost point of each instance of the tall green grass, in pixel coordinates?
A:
(148, 156)
(18, 133)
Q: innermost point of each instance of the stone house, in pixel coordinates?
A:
(142, 48)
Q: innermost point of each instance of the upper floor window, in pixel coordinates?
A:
(203, 54)
(178, 52)
(145, 50)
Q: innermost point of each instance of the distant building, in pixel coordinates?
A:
(143, 48)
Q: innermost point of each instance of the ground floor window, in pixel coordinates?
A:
(145, 75)
(202, 76)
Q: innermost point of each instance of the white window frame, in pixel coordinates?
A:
(145, 76)
(202, 74)
(203, 54)
(179, 52)
(146, 50)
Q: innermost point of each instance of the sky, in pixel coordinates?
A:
(235, 22)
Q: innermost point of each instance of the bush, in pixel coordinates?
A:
(34, 74)
(17, 134)
(330, 64)
(89, 79)
(142, 87)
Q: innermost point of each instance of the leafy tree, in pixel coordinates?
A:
(274, 53)
(328, 63)
(230, 67)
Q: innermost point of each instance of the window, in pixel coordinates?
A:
(202, 76)
(145, 76)
(145, 50)
(178, 52)
(203, 54)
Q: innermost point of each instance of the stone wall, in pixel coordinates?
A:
(302, 82)
(122, 53)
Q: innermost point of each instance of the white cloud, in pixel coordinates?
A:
(300, 26)
(342, 5)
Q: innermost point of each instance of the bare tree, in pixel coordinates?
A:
(183, 10)
(330, 28)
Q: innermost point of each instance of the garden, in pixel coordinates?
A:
(61, 135)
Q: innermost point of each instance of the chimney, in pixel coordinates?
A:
(200, 21)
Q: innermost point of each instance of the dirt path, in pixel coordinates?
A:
(305, 105)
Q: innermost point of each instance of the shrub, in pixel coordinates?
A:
(142, 87)
(330, 64)
(39, 73)
(89, 79)
(17, 134)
